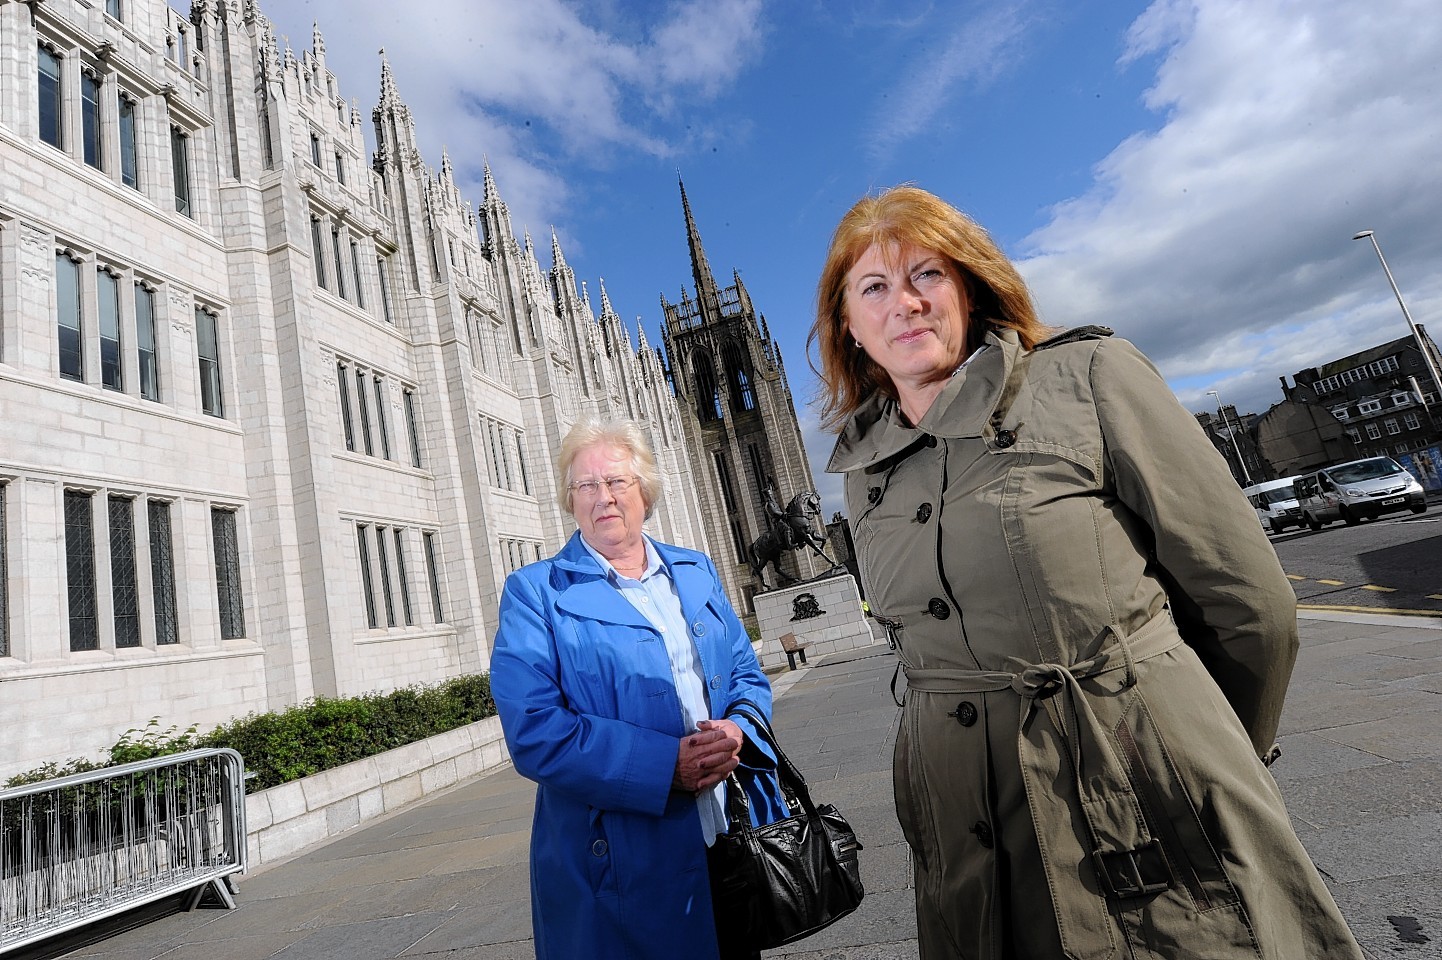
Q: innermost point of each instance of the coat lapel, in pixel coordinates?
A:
(876, 431)
(583, 592)
(693, 583)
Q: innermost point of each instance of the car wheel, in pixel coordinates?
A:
(1275, 526)
(1311, 522)
(1348, 517)
(1420, 508)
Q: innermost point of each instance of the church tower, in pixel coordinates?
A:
(737, 415)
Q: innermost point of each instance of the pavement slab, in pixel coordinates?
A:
(447, 876)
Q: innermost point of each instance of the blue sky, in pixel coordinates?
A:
(1188, 173)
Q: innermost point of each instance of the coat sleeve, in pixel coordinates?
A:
(1232, 602)
(607, 763)
(747, 681)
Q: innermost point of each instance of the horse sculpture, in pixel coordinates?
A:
(790, 530)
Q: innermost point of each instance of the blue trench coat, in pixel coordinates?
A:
(590, 712)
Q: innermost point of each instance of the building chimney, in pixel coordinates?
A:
(1286, 390)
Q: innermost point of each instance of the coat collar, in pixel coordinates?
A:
(583, 590)
(876, 430)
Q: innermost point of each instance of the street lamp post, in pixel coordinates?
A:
(1241, 463)
(1411, 324)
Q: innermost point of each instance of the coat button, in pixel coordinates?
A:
(698, 628)
(938, 608)
(983, 833)
(1005, 438)
(599, 848)
(873, 494)
(716, 682)
(923, 513)
(930, 440)
(965, 713)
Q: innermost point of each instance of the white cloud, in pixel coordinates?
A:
(975, 53)
(705, 43)
(1220, 242)
(521, 82)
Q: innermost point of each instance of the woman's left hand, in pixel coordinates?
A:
(713, 762)
(732, 731)
(733, 736)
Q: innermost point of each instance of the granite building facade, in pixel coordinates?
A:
(277, 413)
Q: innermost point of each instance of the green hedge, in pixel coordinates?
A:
(313, 736)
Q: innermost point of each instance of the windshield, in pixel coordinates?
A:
(1365, 470)
(1279, 494)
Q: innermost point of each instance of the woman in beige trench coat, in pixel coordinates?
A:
(1096, 634)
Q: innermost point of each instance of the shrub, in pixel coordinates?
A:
(316, 735)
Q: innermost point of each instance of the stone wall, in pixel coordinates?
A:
(839, 624)
(284, 820)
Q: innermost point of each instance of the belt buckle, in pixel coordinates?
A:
(1134, 873)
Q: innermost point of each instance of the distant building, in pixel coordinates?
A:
(843, 548)
(1232, 434)
(737, 415)
(1300, 435)
(1373, 394)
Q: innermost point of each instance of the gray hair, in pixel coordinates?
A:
(624, 435)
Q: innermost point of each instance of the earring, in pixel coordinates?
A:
(857, 342)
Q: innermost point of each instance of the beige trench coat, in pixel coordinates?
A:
(1097, 639)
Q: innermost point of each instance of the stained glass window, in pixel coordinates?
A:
(227, 573)
(162, 573)
(80, 570)
(124, 596)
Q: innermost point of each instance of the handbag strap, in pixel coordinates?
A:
(792, 782)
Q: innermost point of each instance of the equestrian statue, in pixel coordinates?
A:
(789, 529)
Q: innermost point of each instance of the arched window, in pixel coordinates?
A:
(708, 394)
(738, 374)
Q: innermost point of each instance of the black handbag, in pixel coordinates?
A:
(785, 880)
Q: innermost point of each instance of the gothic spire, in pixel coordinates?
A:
(488, 190)
(317, 42)
(558, 259)
(605, 300)
(388, 81)
(700, 269)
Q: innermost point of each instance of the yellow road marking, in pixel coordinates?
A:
(1293, 576)
(1400, 611)
(1331, 583)
(1434, 596)
(1374, 587)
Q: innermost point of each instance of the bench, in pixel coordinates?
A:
(793, 649)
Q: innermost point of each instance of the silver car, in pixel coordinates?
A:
(1358, 490)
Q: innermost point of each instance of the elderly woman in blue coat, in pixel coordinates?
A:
(614, 667)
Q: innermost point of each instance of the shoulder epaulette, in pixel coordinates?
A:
(1076, 335)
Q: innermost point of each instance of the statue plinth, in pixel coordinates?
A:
(824, 613)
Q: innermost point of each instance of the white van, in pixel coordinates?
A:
(1358, 490)
(1276, 504)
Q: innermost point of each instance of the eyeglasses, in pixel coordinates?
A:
(592, 488)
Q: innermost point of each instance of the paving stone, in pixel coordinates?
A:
(1371, 848)
(381, 939)
(1337, 798)
(1397, 917)
(448, 877)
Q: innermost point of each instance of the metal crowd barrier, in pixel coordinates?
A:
(81, 848)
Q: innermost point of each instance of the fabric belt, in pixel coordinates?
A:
(1127, 858)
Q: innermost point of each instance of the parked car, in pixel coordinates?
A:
(1276, 503)
(1357, 490)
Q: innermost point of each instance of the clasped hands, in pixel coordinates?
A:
(707, 756)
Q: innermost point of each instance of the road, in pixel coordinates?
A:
(1394, 563)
